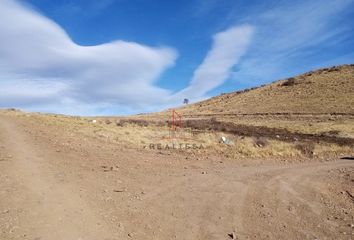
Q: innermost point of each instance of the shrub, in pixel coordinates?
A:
(306, 148)
(289, 82)
(139, 122)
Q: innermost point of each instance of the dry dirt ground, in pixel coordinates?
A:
(56, 184)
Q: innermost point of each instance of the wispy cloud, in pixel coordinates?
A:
(228, 47)
(289, 34)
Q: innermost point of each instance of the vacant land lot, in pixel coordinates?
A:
(69, 178)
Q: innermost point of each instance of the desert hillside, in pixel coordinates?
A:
(328, 90)
(258, 170)
(319, 102)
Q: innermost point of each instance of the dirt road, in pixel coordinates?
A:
(56, 184)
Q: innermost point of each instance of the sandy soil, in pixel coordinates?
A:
(60, 185)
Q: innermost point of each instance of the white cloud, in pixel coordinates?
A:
(228, 48)
(29, 92)
(42, 69)
(40, 63)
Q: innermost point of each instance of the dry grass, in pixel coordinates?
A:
(135, 136)
(304, 104)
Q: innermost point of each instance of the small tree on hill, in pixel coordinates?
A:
(185, 101)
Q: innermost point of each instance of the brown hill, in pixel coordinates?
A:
(328, 90)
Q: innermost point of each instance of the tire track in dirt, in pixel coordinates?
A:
(207, 206)
(289, 203)
(51, 210)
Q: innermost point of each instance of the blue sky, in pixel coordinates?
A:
(89, 57)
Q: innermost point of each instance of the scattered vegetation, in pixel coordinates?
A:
(242, 141)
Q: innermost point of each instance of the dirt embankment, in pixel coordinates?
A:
(261, 131)
(248, 130)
